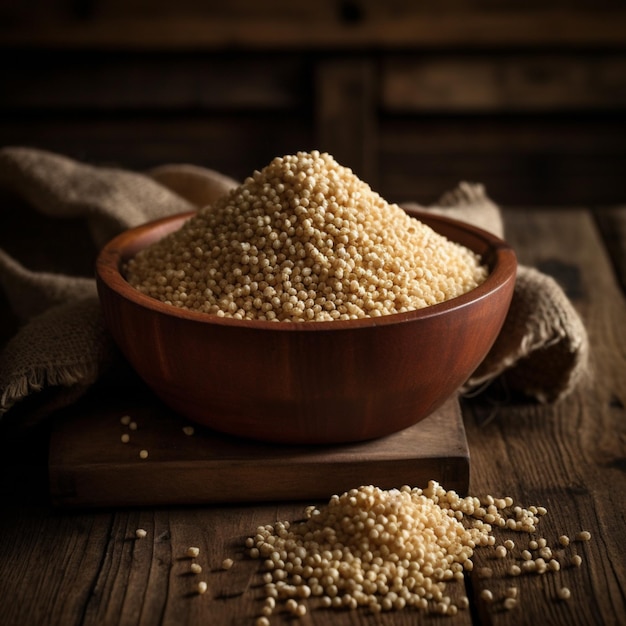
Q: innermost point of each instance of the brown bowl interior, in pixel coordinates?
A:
(313, 382)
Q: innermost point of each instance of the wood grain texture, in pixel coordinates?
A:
(540, 160)
(346, 127)
(567, 457)
(417, 30)
(90, 466)
(506, 82)
(63, 81)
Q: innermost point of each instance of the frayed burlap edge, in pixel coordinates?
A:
(65, 346)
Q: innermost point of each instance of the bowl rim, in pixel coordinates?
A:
(120, 248)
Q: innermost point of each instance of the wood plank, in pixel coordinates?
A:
(547, 28)
(525, 160)
(235, 144)
(90, 466)
(567, 457)
(64, 81)
(488, 83)
(89, 569)
(346, 114)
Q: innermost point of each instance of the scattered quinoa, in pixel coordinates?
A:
(304, 239)
(125, 420)
(140, 533)
(202, 587)
(192, 552)
(486, 595)
(564, 593)
(125, 438)
(132, 425)
(514, 570)
(510, 603)
(380, 549)
(227, 563)
(189, 430)
(387, 550)
(583, 535)
(554, 565)
(143, 454)
(195, 568)
(545, 552)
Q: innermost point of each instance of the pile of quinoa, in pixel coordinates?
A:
(387, 550)
(304, 239)
(381, 549)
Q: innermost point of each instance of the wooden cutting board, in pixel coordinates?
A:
(90, 466)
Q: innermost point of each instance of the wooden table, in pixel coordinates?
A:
(86, 567)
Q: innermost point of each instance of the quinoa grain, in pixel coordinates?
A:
(501, 552)
(514, 570)
(486, 595)
(564, 593)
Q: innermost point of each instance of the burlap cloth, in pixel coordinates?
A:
(62, 348)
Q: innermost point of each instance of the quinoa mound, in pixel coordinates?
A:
(304, 239)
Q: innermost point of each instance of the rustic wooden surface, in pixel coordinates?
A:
(90, 466)
(87, 568)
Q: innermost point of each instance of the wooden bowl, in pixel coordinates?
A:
(309, 382)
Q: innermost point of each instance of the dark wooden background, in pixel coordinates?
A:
(526, 96)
